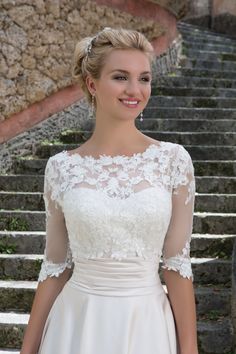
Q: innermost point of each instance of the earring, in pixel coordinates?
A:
(91, 115)
(141, 116)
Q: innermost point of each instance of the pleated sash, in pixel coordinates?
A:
(108, 277)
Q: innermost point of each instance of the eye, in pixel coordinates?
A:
(146, 79)
(119, 77)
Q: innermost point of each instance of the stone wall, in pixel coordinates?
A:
(217, 15)
(199, 13)
(224, 16)
(234, 292)
(37, 40)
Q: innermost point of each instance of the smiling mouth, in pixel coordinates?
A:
(130, 103)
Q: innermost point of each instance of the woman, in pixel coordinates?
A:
(114, 206)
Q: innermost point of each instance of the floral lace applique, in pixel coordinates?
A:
(180, 263)
(105, 213)
(51, 269)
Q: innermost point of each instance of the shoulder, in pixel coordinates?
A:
(176, 151)
(54, 167)
(55, 160)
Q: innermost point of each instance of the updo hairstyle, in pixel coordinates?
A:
(91, 52)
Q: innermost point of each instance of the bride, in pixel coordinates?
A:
(116, 207)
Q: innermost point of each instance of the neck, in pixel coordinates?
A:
(115, 135)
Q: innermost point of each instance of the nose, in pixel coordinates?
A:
(132, 88)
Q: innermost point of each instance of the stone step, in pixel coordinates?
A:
(172, 80)
(187, 125)
(22, 183)
(212, 245)
(192, 102)
(210, 64)
(208, 46)
(214, 335)
(12, 327)
(164, 124)
(213, 184)
(204, 222)
(209, 55)
(223, 203)
(26, 267)
(33, 242)
(23, 242)
(202, 167)
(194, 138)
(217, 74)
(193, 91)
(189, 113)
(199, 38)
(195, 30)
(171, 124)
(201, 152)
(185, 138)
(21, 200)
(18, 296)
(214, 168)
(211, 152)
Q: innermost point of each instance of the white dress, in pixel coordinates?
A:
(112, 220)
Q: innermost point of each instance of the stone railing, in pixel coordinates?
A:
(178, 7)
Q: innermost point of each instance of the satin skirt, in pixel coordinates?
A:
(111, 307)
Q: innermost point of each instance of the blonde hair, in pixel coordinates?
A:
(91, 52)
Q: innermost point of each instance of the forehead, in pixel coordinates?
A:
(130, 60)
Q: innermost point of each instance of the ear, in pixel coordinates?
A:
(90, 82)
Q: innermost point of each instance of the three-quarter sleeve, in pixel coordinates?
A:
(57, 252)
(176, 248)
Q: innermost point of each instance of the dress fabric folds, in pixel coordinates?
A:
(115, 222)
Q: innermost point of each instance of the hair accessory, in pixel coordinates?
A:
(89, 47)
(90, 43)
(141, 116)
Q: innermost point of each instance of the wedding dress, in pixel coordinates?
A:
(112, 220)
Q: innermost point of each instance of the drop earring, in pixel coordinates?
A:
(91, 115)
(141, 116)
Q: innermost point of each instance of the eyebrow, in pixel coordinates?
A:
(126, 72)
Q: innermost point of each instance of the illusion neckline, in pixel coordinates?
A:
(114, 157)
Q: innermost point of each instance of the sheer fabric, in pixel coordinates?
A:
(119, 207)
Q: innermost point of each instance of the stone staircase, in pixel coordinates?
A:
(194, 106)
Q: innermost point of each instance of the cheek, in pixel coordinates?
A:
(147, 91)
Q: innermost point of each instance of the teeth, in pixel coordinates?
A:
(130, 102)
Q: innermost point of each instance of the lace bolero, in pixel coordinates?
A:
(119, 207)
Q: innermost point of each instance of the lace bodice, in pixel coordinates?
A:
(119, 207)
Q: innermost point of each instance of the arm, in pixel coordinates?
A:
(46, 293)
(55, 269)
(177, 272)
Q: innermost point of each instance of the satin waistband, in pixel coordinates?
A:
(105, 276)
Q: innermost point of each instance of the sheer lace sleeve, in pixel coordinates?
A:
(57, 252)
(176, 248)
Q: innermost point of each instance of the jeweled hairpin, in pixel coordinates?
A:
(89, 47)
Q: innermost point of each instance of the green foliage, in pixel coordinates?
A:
(51, 142)
(7, 248)
(14, 223)
(38, 263)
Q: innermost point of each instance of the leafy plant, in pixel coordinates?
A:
(7, 248)
(18, 224)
